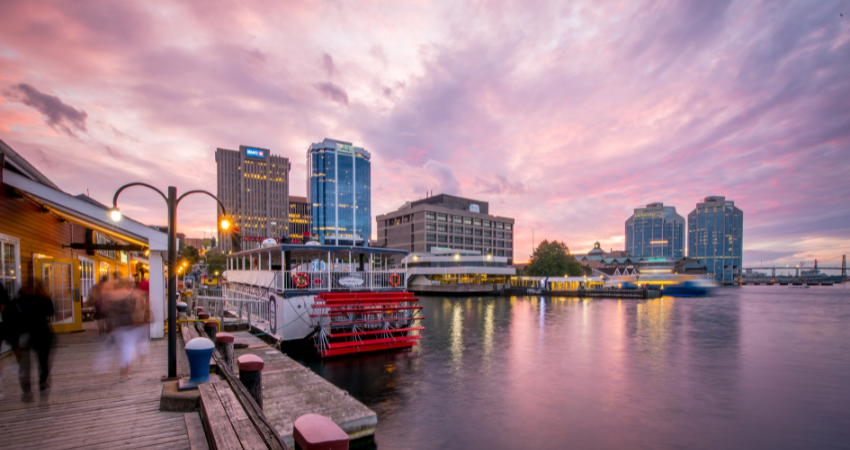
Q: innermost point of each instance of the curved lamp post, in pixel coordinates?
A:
(172, 201)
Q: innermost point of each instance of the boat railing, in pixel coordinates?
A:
(238, 307)
(294, 280)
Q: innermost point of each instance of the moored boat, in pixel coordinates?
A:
(339, 300)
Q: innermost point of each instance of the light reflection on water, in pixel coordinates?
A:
(754, 367)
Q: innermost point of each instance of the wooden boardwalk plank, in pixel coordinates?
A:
(87, 407)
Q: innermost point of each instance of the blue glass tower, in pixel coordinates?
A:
(339, 189)
(715, 237)
(656, 231)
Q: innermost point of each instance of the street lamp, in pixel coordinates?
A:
(171, 201)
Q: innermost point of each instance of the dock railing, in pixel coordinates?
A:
(231, 308)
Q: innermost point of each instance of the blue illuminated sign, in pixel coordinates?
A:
(255, 152)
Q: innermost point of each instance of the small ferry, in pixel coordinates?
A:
(339, 300)
(670, 284)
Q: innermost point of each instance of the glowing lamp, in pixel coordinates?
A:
(225, 224)
(115, 214)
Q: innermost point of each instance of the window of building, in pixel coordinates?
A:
(467, 231)
(500, 253)
(406, 219)
(441, 217)
(87, 276)
(500, 234)
(441, 227)
(478, 231)
(442, 238)
(430, 237)
(477, 241)
(450, 228)
(488, 233)
(467, 220)
(500, 244)
(486, 224)
(477, 222)
(430, 226)
(10, 262)
(458, 239)
(508, 226)
(467, 248)
(458, 219)
(430, 215)
(499, 225)
(509, 253)
(398, 220)
(488, 242)
(467, 241)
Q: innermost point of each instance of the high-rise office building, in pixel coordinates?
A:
(300, 214)
(445, 221)
(715, 237)
(339, 189)
(253, 185)
(656, 231)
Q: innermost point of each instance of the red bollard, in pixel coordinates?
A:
(312, 431)
(251, 376)
(224, 343)
(203, 316)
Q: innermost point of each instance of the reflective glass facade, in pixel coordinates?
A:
(340, 192)
(656, 231)
(715, 237)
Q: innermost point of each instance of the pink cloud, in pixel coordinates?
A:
(565, 116)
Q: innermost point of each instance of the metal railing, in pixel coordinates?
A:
(232, 309)
(293, 280)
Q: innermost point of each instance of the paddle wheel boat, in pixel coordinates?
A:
(339, 300)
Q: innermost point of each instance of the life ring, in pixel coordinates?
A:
(300, 280)
(395, 279)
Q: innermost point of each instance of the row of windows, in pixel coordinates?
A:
(484, 251)
(433, 237)
(430, 215)
(443, 228)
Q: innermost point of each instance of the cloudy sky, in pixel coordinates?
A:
(563, 115)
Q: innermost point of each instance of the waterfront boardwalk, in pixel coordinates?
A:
(291, 390)
(87, 406)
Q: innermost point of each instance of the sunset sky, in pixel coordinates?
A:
(563, 115)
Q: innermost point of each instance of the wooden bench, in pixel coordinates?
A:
(225, 421)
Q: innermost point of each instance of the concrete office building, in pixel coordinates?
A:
(447, 221)
(300, 217)
(715, 237)
(253, 185)
(339, 190)
(656, 231)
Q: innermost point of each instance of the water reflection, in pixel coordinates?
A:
(744, 369)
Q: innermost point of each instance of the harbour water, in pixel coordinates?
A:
(750, 367)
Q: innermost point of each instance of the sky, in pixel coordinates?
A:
(563, 115)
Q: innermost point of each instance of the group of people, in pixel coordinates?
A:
(122, 311)
(25, 326)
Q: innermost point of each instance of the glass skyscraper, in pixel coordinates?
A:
(339, 189)
(715, 237)
(656, 231)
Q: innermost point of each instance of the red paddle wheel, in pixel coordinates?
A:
(365, 322)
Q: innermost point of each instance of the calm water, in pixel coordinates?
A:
(754, 367)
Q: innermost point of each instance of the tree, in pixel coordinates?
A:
(216, 263)
(552, 259)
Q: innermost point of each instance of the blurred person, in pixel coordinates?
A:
(10, 323)
(97, 301)
(122, 299)
(36, 309)
(142, 317)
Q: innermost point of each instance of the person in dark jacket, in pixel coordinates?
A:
(36, 311)
(9, 327)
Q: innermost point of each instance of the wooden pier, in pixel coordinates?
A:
(87, 407)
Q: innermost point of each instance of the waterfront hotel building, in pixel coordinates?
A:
(300, 217)
(253, 185)
(447, 222)
(339, 190)
(656, 231)
(715, 237)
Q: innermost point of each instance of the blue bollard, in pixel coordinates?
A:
(199, 352)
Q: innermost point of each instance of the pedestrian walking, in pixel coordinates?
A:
(98, 302)
(36, 310)
(10, 322)
(122, 301)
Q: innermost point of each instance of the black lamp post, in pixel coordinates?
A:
(172, 201)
